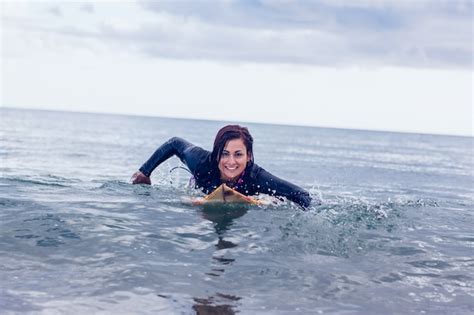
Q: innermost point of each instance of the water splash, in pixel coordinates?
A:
(344, 227)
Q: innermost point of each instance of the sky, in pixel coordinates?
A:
(395, 65)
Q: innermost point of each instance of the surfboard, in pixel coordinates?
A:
(225, 194)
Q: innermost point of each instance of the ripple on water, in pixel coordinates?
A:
(12, 203)
(47, 180)
(430, 264)
(405, 251)
(48, 230)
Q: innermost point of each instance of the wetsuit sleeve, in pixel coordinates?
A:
(188, 153)
(274, 186)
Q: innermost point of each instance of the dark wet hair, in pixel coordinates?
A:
(227, 133)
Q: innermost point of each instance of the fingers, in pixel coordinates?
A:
(140, 178)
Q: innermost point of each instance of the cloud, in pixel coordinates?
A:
(409, 33)
(56, 10)
(423, 33)
(88, 7)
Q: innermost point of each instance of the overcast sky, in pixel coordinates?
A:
(399, 65)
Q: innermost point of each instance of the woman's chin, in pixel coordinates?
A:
(230, 177)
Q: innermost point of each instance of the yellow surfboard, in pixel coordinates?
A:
(225, 194)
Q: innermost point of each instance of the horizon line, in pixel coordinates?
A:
(237, 121)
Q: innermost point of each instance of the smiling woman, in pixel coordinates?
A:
(234, 159)
(230, 162)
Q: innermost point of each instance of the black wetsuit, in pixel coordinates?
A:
(254, 180)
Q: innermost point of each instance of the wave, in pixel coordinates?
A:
(113, 185)
(41, 180)
(48, 230)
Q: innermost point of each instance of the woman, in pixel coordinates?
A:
(230, 162)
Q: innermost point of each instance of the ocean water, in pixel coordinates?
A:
(393, 233)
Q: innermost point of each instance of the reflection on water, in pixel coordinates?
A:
(223, 217)
(223, 244)
(223, 261)
(217, 304)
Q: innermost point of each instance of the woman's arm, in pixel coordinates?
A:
(274, 186)
(188, 153)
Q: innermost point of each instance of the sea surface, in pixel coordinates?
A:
(393, 233)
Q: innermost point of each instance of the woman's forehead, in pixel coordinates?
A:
(235, 145)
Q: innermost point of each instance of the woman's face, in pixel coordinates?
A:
(233, 160)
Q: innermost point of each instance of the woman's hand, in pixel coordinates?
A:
(140, 178)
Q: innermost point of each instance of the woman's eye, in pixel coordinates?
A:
(225, 153)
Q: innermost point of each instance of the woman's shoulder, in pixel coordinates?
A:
(201, 152)
(264, 177)
(186, 145)
(254, 171)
